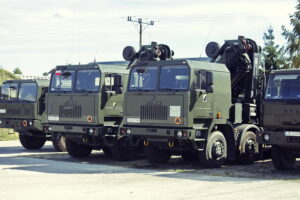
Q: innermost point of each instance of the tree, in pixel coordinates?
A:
(17, 71)
(272, 53)
(45, 74)
(293, 38)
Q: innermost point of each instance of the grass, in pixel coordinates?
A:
(6, 75)
(8, 134)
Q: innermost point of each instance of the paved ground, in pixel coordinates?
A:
(46, 174)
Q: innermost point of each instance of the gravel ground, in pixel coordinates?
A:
(46, 174)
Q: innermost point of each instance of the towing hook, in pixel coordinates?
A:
(85, 140)
(146, 143)
(171, 144)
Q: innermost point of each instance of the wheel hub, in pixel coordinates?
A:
(217, 150)
(250, 146)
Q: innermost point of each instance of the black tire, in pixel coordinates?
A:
(156, 156)
(249, 149)
(215, 151)
(106, 150)
(282, 159)
(122, 151)
(78, 150)
(189, 156)
(32, 142)
(59, 142)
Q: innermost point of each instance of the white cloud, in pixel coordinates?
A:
(36, 35)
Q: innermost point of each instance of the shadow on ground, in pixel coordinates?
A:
(44, 160)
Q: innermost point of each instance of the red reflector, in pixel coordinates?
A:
(57, 74)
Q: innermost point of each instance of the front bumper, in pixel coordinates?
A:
(21, 124)
(83, 130)
(283, 138)
(176, 138)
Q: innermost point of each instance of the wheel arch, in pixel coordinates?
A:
(241, 130)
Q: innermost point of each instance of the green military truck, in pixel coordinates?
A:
(199, 110)
(280, 117)
(85, 104)
(22, 108)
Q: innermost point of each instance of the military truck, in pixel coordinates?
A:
(280, 117)
(22, 108)
(85, 104)
(199, 110)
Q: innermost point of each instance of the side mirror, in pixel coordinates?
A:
(118, 80)
(44, 90)
(209, 78)
(118, 84)
(204, 81)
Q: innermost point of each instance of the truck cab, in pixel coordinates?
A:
(22, 108)
(280, 117)
(85, 104)
(190, 108)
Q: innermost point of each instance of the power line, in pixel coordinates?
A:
(140, 22)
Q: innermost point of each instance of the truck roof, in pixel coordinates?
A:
(285, 71)
(40, 82)
(104, 68)
(195, 64)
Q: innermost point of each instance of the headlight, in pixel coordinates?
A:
(266, 137)
(0, 121)
(30, 123)
(179, 133)
(91, 131)
(50, 128)
(128, 131)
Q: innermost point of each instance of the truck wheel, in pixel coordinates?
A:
(248, 148)
(59, 142)
(122, 151)
(78, 150)
(32, 142)
(215, 152)
(189, 156)
(282, 159)
(156, 155)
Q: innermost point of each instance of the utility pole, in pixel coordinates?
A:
(141, 29)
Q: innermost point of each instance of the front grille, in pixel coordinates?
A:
(70, 111)
(27, 111)
(293, 139)
(154, 112)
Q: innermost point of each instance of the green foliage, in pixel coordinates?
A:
(293, 38)
(8, 134)
(5, 75)
(272, 53)
(45, 74)
(17, 71)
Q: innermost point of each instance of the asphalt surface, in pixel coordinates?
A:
(46, 174)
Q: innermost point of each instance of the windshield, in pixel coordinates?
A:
(27, 92)
(143, 78)
(87, 80)
(9, 91)
(283, 86)
(174, 78)
(62, 80)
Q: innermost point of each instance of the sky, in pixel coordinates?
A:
(37, 35)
